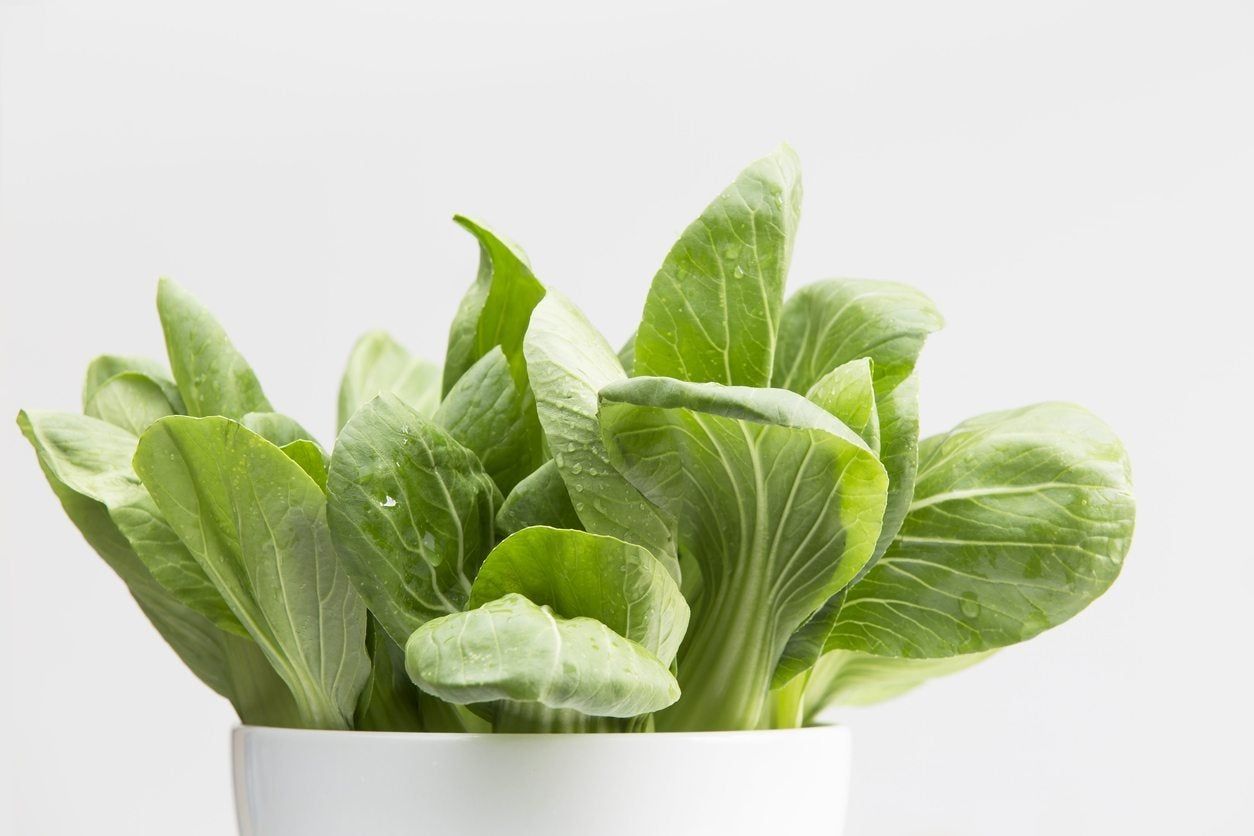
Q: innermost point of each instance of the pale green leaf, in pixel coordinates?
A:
(93, 459)
(200, 643)
(256, 523)
(212, 376)
(578, 574)
(216, 657)
(512, 649)
(276, 428)
(849, 678)
(897, 410)
(193, 637)
(1019, 520)
(379, 365)
(108, 366)
(130, 401)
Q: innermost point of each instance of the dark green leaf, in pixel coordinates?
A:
(495, 310)
(540, 499)
(259, 694)
(389, 702)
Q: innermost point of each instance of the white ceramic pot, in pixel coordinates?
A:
(317, 783)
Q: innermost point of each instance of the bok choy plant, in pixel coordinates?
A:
(729, 523)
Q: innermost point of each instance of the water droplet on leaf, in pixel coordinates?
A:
(970, 605)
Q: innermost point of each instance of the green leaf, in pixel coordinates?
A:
(389, 702)
(713, 309)
(511, 649)
(213, 378)
(569, 362)
(379, 365)
(130, 401)
(441, 716)
(311, 459)
(627, 355)
(495, 310)
(539, 499)
(1019, 520)
(898, 413)
(411, 514)
(488, 413)
(108, 366)
(93, 459)
(293, 439)
(807, 644)
(224, 662)
(276, 428)
(192, 636)
(849, 678)
(829, 323)
(847, 392)
(256, 523)
(197, 641)
(258, 693)
(581, 575)
(578, 574)
(778, 502)
(827, 330)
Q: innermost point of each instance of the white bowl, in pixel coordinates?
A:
(292, 782)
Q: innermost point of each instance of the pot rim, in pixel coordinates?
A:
(833, 729)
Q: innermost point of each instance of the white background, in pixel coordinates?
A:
(1072, 182)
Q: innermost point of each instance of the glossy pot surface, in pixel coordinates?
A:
(292, 782)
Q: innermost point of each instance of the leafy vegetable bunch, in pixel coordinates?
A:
(728, 524)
